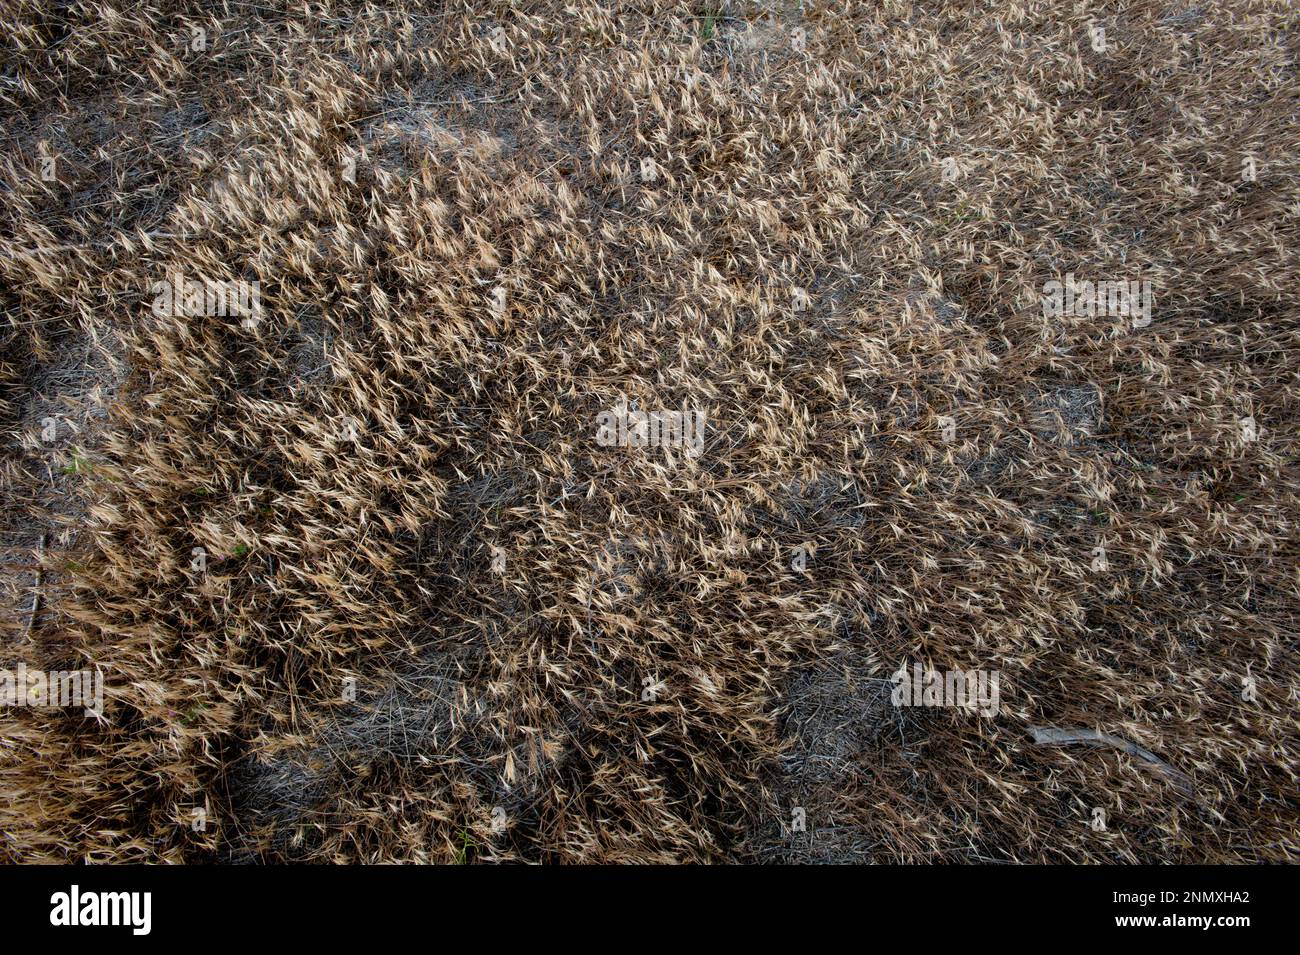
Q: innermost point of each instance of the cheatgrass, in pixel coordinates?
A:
(460, 628)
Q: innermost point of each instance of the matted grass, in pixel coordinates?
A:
(434, 619)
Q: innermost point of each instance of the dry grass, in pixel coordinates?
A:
(647, 678)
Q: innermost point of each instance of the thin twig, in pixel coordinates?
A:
(36, 588)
